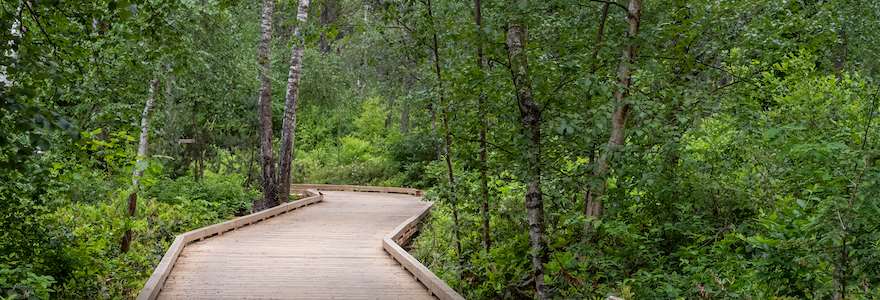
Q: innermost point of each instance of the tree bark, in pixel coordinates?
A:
(288, 127)
(841, 53)
(481, 106)
(621, 112)
(329, 13)
(140, 163)
(435, 50)
(267, 160)
(531, 122)
(600, 37)
(432, 110)
(404, 117)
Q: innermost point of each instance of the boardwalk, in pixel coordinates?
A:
(330, 250)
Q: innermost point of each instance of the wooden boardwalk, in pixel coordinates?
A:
(329, 250)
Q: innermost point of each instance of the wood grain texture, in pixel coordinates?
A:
(331, 250)
(157, 280)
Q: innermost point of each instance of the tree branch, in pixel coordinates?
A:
(621, 6)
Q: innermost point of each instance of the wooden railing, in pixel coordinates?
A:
(401, 235)
(393, 243)
(359, 188)
(160, 274)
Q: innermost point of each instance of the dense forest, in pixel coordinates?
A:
(671, 149)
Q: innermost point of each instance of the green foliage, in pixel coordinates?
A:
(88, 263)
(747, 170)
(750, 170)
(360, 157)
(23, 283)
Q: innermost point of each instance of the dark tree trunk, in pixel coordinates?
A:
(329, 13)
(267, 160)
(432, 110)
(389, 116)
(620, 114)
(531, 122)
(481, 106)
(841, 53)
(288, 127)
(435, 50)
(600, 37)
(404, 117)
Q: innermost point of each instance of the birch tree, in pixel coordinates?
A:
(288, 129)
(620, 115)
(267, 159)
(530, 119)
(141, 162)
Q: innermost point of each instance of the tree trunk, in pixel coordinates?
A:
(620, 115)
(288, 127)
(432, 110)
(481, 106)
(404, 117)
(389, 116)
(328, 15)
(841, 53)
(600, 37)
(447, 141)
(141, 162)
(267, 161)
(531, 121)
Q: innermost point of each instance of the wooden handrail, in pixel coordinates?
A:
(160, 274)
(390, 243)
(359, 188)
(401, 236)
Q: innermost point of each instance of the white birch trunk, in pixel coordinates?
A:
(617, 137)
(141, 162)
(288, 126)
(140, 165)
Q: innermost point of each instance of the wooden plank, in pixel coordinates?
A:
(324, 252)
(156, 281)
(331, 251)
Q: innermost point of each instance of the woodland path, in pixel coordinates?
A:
(329, 250)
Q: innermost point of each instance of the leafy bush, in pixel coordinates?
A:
(23, 283)
(361, 157)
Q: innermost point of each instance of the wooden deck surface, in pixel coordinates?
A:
(329, 250)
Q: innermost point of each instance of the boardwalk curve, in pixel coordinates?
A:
(337, 248)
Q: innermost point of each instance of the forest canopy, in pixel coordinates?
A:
(595, 149)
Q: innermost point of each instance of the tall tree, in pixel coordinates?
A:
(530, 117)
(140, 162)
(600, 37)
(329, 13)
(447, 135)
(267, 160)
(481, 106)
(288, 127)
(620, 115)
